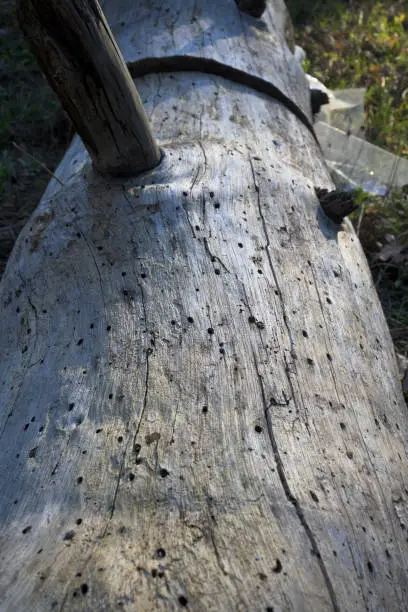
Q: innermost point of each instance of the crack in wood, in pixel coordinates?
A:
(121, 469)
(214, 258)
(233, 578)
(96, 266)
(122, 463)
(279, 464)
(268, 255)
(289, 495)
(146, 384)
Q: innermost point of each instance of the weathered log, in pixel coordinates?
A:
(200, 404)
(82, 62)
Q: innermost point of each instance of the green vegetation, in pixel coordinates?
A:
(382, 224)
(364, 43)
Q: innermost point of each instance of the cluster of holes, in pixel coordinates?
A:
(160, 552)
(259, 324)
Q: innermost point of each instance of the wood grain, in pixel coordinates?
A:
(200, 404)
(213, 31)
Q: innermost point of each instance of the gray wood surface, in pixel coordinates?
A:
(212, 36)
(199, 400)
(82, 62)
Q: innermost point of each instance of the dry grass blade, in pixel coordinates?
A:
(37, 161)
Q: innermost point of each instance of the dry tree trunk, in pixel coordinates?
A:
(199, 398)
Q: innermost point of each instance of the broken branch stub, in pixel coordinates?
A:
(76, 50)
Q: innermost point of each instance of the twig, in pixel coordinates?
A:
(360, 219)
(379, 278)
(37, 161)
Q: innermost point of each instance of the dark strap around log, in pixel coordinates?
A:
(185, 63)
(213, 36)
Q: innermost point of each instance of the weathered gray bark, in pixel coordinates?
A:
(199, 398)
(77, 52)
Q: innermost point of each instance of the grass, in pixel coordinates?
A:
(382, 224)
(364, 43)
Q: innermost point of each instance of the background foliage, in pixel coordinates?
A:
(364, 43)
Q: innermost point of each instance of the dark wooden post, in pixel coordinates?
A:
(75, 47)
